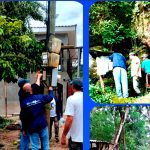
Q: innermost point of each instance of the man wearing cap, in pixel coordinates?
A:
(32, 116)
(36, 88)
(73, 127)
(24, 139)
(135, 72)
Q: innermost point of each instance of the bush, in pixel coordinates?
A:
(99, 96)
(108, 96)
(102, 125)
(4, 122)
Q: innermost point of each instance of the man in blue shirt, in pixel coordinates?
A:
(120, 74)
(37, 88)
(32, 116)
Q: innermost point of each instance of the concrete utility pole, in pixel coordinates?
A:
(50, 24)
(49, 36)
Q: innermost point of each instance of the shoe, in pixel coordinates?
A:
(139, 95)
(57, 140)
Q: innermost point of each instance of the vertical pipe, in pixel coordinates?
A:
(79, 57)
(5, 96)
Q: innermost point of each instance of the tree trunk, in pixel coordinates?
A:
(124, 140)
(119, 130)
(101, 82)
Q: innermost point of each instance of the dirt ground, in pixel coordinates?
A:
(9, 140)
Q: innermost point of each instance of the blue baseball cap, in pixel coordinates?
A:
(22, 81)
(77, 83)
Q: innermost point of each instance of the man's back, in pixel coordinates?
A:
(146, 66)
(32, 114)
(74, 108)
(135, 67)
(118, 60)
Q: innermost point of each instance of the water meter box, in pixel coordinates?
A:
(45, 58)
(53, 60)
(56, 45)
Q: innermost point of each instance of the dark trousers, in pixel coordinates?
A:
(75, 145)
(56, 127)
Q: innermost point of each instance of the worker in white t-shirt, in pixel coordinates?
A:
(55, 115)
(73, 128)
(135, 72)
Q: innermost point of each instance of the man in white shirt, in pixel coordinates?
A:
(74, 122)
(55, 114)
(135, 72)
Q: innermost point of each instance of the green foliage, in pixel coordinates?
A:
(136, 124)
(102, 127)
(109, 31)
(99, 96)
(110, 23)
(22, 10)
(19, 51)
(117, 100)
(4, 122)
(104, 122)
(13, 45)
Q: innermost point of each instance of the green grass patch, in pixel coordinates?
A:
(4, 122)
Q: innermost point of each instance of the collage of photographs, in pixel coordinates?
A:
(74, 75)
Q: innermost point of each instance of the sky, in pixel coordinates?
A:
(68, 13)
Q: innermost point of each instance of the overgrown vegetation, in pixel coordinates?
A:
(20, 52)
(99, 96)
(104, 123)
(124, 25)
(4, 122)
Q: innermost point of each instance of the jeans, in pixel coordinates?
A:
(121, 81)
(136, 85)
(24, 142)
(75, 145)
(56, 126)
(43, 136)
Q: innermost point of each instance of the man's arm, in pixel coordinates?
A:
(38, 78)
(142, 66)
(46, 98)
(67, 127)
(137, 67)
(111, 57)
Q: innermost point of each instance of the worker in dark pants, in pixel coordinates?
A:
(55, 115)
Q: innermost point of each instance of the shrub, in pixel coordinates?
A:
(99, 96)
(4, 122)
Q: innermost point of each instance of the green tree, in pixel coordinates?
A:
(20, 52)
(24, 11)
(110, 23)
(105, 122)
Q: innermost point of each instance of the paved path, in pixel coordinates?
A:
(144, 99)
